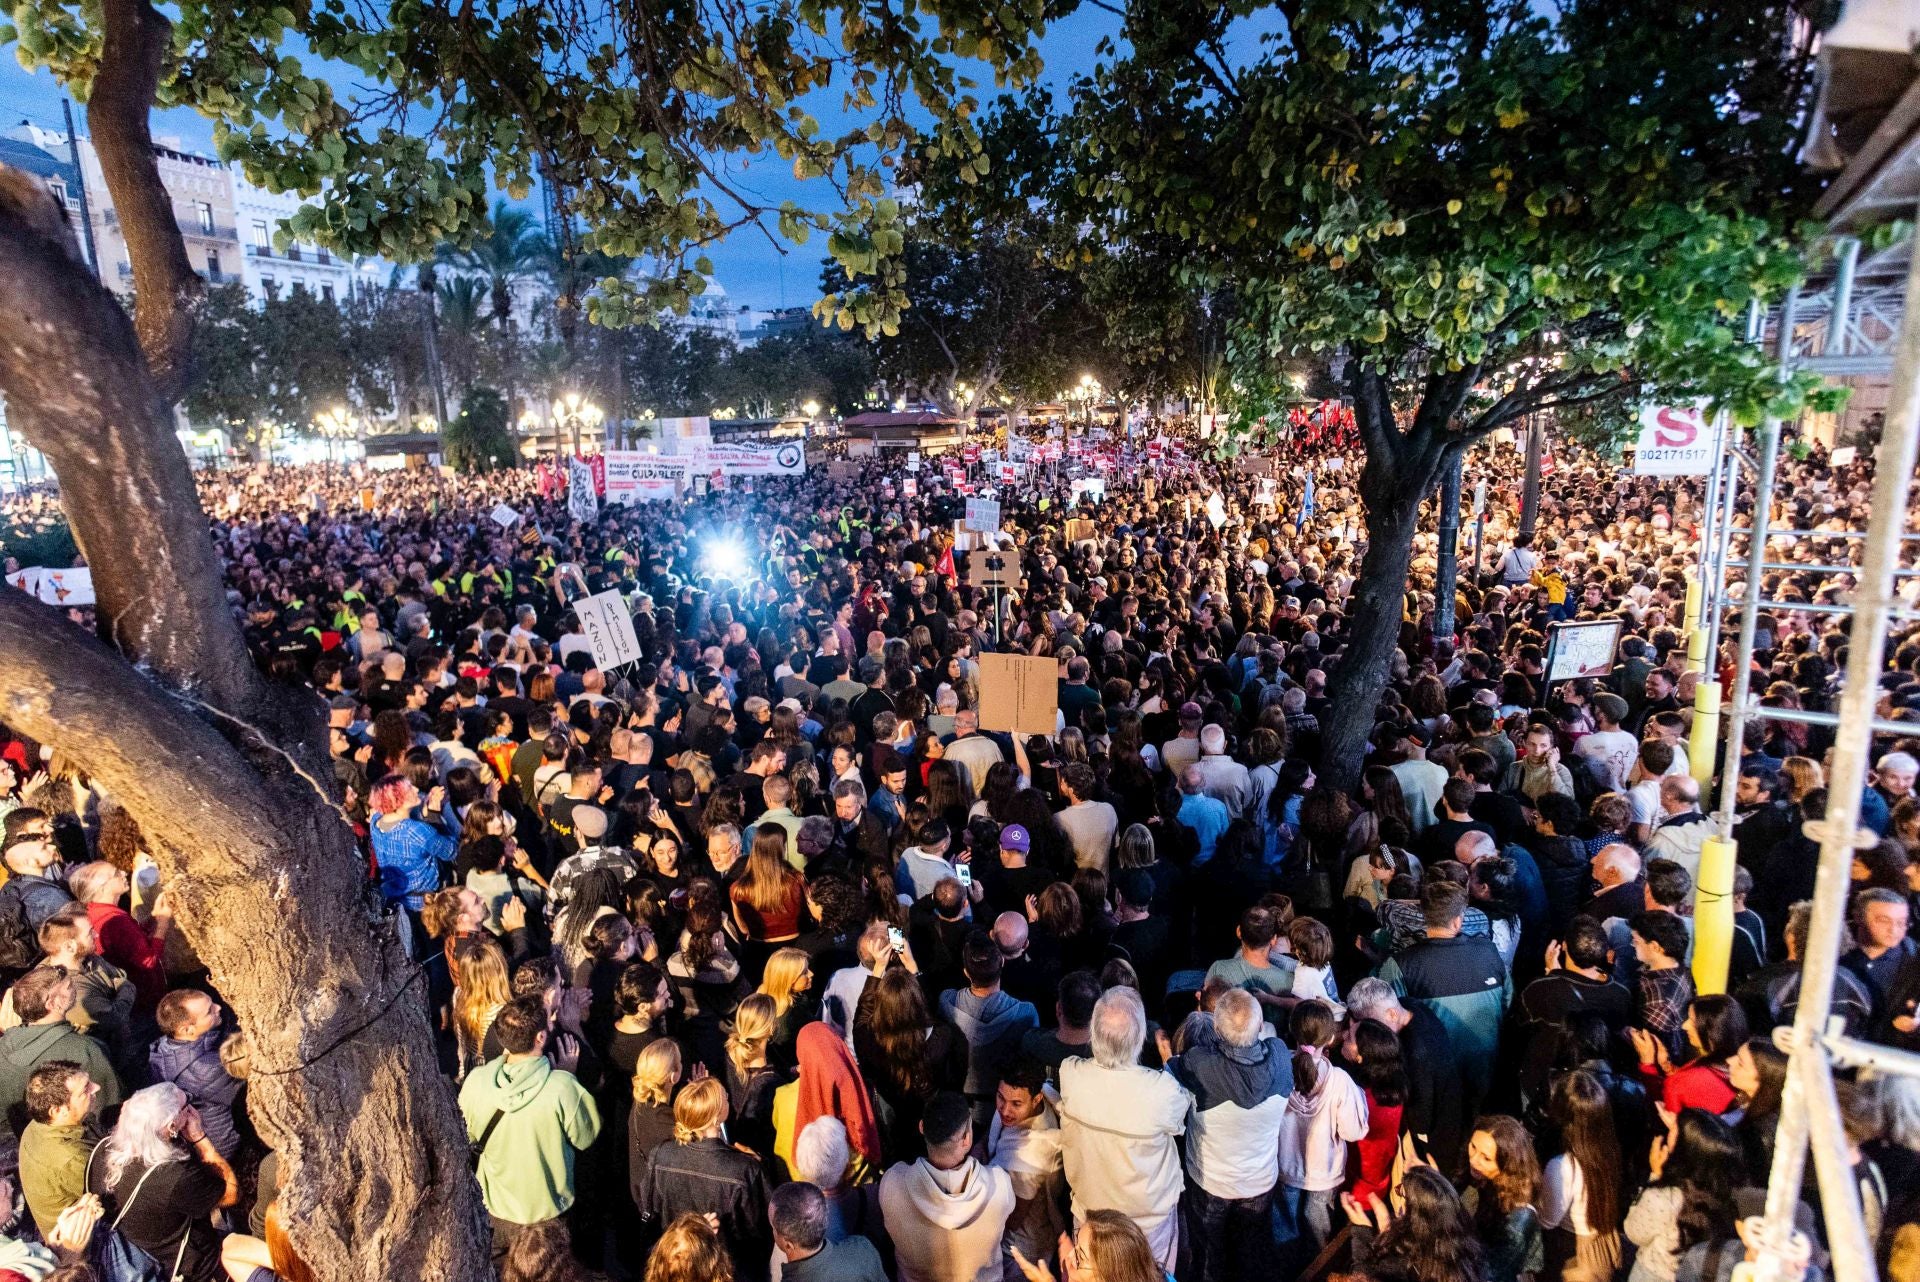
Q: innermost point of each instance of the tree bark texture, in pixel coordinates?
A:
(166, 291)
(1401, 469)
(226, 777)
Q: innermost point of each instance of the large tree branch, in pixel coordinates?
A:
(75, 380)
(166, 292)
(272, 890)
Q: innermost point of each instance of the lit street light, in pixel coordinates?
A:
(573, 412)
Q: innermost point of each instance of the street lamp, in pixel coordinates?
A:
(573, 412)
(336, 424)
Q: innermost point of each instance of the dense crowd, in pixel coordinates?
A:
(759, 957)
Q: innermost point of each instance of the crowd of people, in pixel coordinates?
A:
(760, 957)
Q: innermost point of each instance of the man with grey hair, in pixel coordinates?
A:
(1893, 777)
(1223, 778)
(972, 751)
(1682, 830)
(799, 1216)
(1118, 1124)
(1240, 1082)
(723, 848)
(1436, 1089)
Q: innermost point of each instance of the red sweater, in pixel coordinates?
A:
(1371, 1163)
(1695, 1086)
(133, 948)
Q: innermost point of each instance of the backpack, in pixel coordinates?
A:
(19, 946)
(120, 1259)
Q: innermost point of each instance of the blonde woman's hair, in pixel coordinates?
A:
(1802, 776)
(698, 1108)
(784, 970)
(753, 1027)
(485, 985)
(657, 1072)
(689, 1251)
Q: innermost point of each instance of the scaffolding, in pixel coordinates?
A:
(1810, 1114)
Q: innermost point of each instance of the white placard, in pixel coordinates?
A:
(608, 628)
(983, 514)
(583, 504)
(504, 516)
(63, 587)
(1844, 455)
(1674, 440)
(913, 460)
(1216, 509)
(1581, 649)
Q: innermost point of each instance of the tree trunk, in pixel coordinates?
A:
(227, 778)
(1400, 471)
(1374, 614)
(1530, 483)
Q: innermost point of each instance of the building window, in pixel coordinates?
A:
(326, 292)
(59, 190)
(213, 264)
(206, 217)
(262, 238)
(268, 287)
(323, 255)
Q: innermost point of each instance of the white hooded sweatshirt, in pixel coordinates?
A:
(1318, 1127)
(946, 1225)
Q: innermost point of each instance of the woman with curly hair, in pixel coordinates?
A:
(1505, 1196)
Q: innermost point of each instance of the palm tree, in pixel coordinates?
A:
(510, 251)
(574, 272)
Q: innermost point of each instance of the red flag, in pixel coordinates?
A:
(945, 565)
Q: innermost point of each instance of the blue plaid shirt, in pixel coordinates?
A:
(409, 856)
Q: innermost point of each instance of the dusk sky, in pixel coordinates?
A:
(747, 265)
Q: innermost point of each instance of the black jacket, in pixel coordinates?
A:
(711, 1177)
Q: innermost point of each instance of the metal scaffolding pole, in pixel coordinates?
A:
(1809, 1109)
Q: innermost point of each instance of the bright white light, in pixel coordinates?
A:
(725, 559)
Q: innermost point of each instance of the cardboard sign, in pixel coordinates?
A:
(983, 514)
(1019, 693)
(609, 629)
(1581, 649)
(504, 516)
(1080, 528)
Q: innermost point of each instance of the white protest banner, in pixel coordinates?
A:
(609, 629)
(71, 586)
(913, 460)
(582, 503)
(983, 514)
(505, 516)
(1674, 440)
(1845, 455)
(634, 477)
(786, 459)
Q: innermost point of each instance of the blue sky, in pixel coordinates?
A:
(747, 266)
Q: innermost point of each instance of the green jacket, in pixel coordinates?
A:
(27, 1047)
(547, 1117)
(53, 1170)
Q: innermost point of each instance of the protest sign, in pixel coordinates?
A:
(583, 501)
(1019, 693)
(609, 629)
(505, 516)
(983, 514)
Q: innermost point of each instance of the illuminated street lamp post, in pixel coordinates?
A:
(336, 424)
(573, 412)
